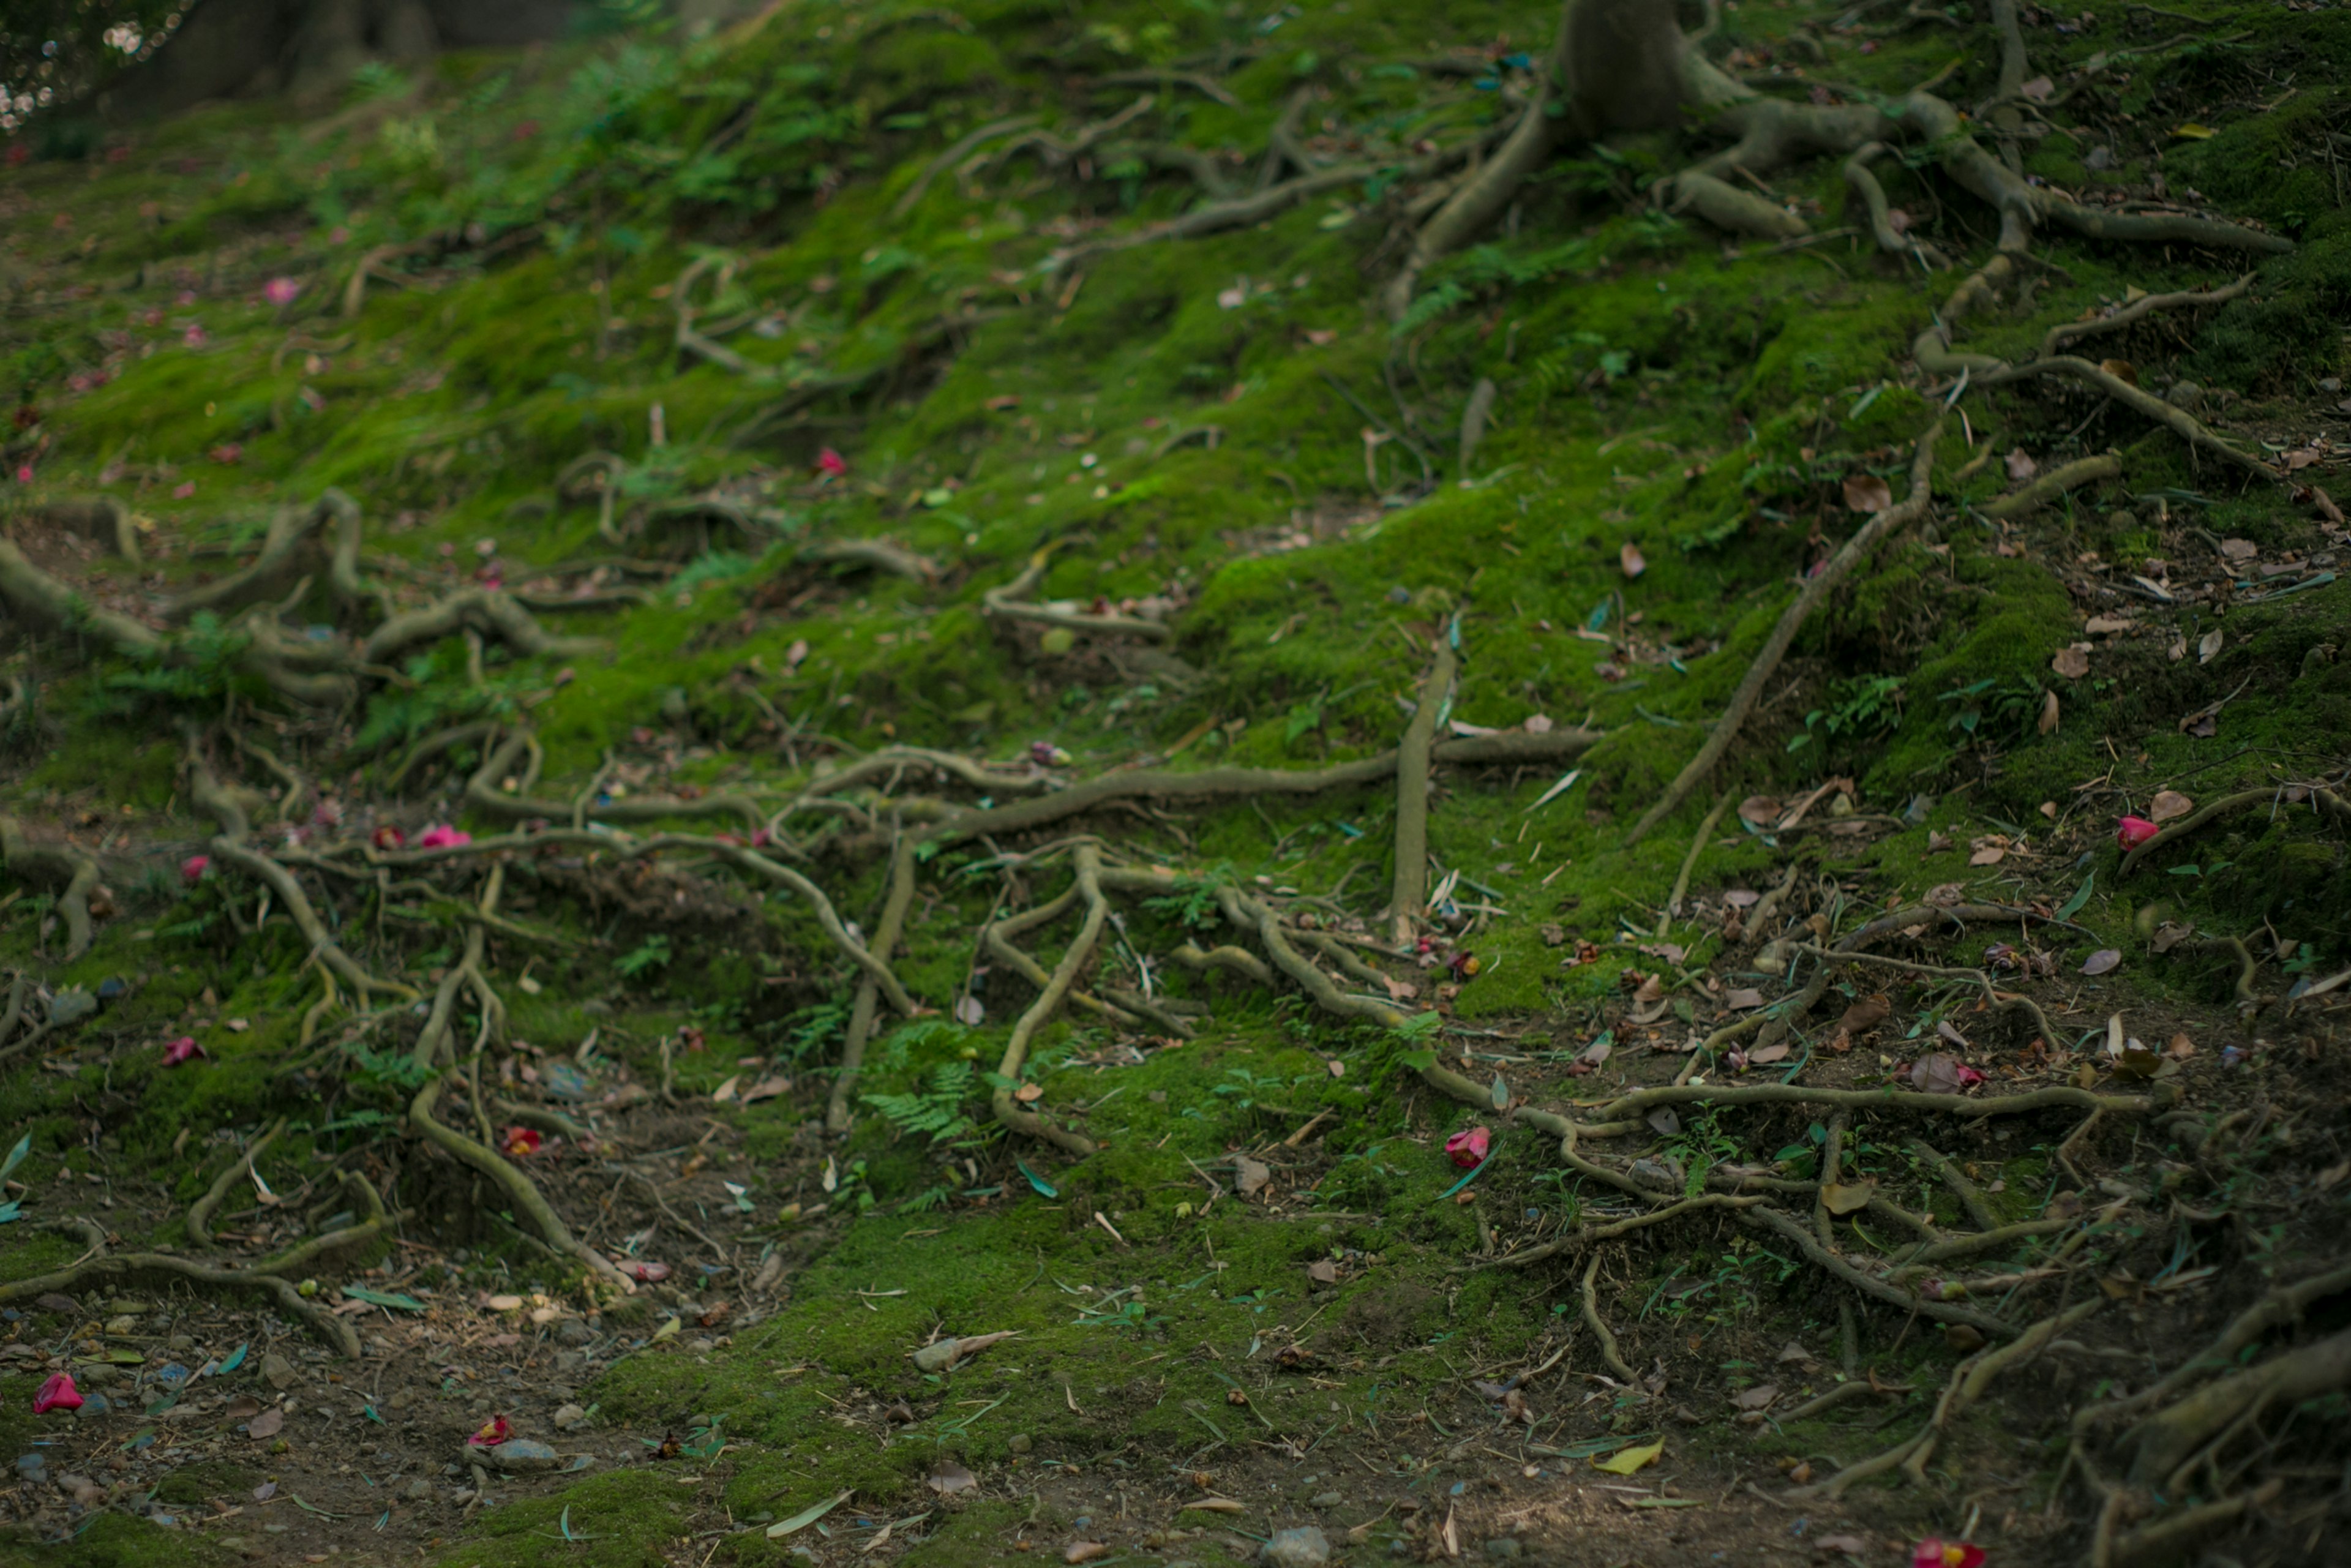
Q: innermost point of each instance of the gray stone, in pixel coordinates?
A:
(276, 1371)
(1325, 1499)
(570, 1360)
(2185, 394)
(401, 1399)
(1503, 1549)
(1305, 1547)
(420, 1490)
(1022, 1443)
(574, 1331)
(568, 1416)
(520, 1454)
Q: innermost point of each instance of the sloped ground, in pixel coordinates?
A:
(1255, 1305)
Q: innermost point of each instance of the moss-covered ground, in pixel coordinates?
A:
(437, 300)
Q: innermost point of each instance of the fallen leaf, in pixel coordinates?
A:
(1989, 854)
(1085, 1551)
(1624, 1461)
(2039, 89)
(2240, 551)
(2209, 644)
(969, 1011)
(2192, 131)
(1765, 1055)
(1866, 1014)
(949, 1479)
(1842, 1197)
(2104, 961)
(1849, 1545)
(1029, 1093)
(726, 1091)
(1940, 1072)
(2072, 662)
(2048, 721)
(2121, 369)
(2022, 464)
(1743, 998)
(1867, 493)
(1761, 810)
(2167, 804)
(1757, 1398)
(2108, 625)
(268, 1424)
(1322, 1271)
(1630, 559)
(2180, 1049)
(1251, 1176)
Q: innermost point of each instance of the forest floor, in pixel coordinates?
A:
(428, 511)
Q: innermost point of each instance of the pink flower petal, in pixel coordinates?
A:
(2132, 831)
(1469, 1149)
(57, 1393)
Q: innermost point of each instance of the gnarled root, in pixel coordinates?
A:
(519, 1189)
(2161, 1443)
(124, 1266)
(1008, 603)
(200, 1213)
(886, 931)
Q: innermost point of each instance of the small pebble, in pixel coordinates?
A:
(1022, 1443)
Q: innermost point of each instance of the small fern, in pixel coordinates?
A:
(938, 1112)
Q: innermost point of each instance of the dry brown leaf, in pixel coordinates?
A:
(2209, 644)
(2121, 369)
(2180, 1049)
(1843, 1198)
(1742, 997)
(1761, 810)
(1866, 1014)
(949, 1479)
(2240, 550)
(1867, 493)
(1251, 1176)
(2021, 466)
(2104, 961)
(2108, 626)
(2167, 804)
(1765, 1055)
(1757, 1398)
(268, 1424)
(1630, 559)
(2072, 662)
(1989, 854)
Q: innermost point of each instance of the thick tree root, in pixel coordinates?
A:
(1612, 1358)
(1816, 591)
(120, 1268)
(2161, 1443)
(2277, 1309)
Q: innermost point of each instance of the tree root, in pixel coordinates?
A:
(2057, 482)
(292, 552)
(1087, 862)
(2324, 799)
(2066, 332)
(1008, 603)
(1864, 184)
(2161, 1443)
(1609, 1354)
(886, 931)
(1627, 1110)
(124, 1266)
(1483, 195)
(69, 869)
(487, 792)
(1237, 783)
(519, 1189)
(2277, 1309)
(1815, 591)
(1411, 887)
(961, 148)
(1614, 1228)
(1868, 1284)
(200, 1213)
(2171, 1541)
(490, 611)
(298, 908)
(879, 554)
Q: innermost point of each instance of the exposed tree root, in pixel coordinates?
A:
(1087, 863)
(1411, 887)
(2160, 1442)
(1008, 603)
(519, 1189)
(886, 932)
(1815, 591)
(961, 148)
(2279, 1308)
(2057, 482)
(125, 1267)
(1609, 1354)
(71, 872)
(2066, 332)
(1864, 184)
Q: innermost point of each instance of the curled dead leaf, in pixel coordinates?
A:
(2167, 804)
(2022, 464)
(2106, 960)
(1867, 493)
(2121, 369)
(1866, 1014)
(2072, 662)
(1761, 810)
(1630, 559)
(2048, 713)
